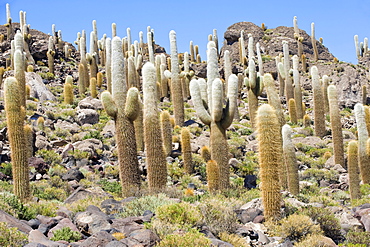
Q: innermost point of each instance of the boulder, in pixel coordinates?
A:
(38, 88)
(87, 116)
(92, 221)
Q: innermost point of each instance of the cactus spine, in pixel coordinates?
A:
(353, 171)
(363, 135)
(166, 129)
(318, 102)
(122, 106)
(176, 90)
(269, 150)
(156, 162)
(15, 114)
(290, 160)
(336, 125)
(255, 86)
(186, 151)
(216, 117)
(213, 176)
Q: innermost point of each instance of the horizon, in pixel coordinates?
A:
(337, 33)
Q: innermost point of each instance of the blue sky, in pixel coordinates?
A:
(335, 21)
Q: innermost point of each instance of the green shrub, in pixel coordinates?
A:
(6, 186)
(111, 186)
(46, 191)
(295, 228)
(6, 168)
(328, 223)
(138, 206)
(12, 205)
(11, 237)
(50, 156)
(191, 238)
(314, 241)
(179, 213)
(66, 234)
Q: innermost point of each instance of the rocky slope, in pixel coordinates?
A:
(75, 179)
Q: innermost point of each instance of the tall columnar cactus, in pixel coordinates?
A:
(273, 97)
(325, 84)
(313, 41)
(92, 60)
(289, 91)
(108, 64)
(99, 79)
(254, 85)
(2, 71)
(364, 94)
(259, 59)
(29, 140)
(292, 111)
(166, 129)
(367, 117)
(156, 162)
(353, 171)
(84, 60)
(227, 67)
(50, 55)
(306, 121)
(250, 47)
(363, 135)
(121, 105)
(336, 125)
(318, 102)
(290, 160)
(357, 46)
(213, 176)
(280, 77)
(151, 47)
(15, 114)
(9, 26)
(186, 150)
(176, 90)
(81, 79)
(209, 109)
(297, 88)
(93, 91)
(68, 90)
(270, 160)
(19, 66)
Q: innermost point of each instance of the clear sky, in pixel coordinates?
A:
(335, 21)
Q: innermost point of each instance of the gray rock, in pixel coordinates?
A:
(92, 221)
(128, 225)
(71, 127)
(100, 238)
(14, 222)
(73, 174)
(247, 215)
(220, 243)
(90, 103)
(63, 223)
(116, 244)
(88, 145)
(81, 193)
(35, 236)
(87, 116)
(42, 142)
(145, 237)
(38, 88)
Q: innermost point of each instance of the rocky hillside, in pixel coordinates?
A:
(77, 197)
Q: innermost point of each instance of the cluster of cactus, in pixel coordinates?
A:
(362, 48)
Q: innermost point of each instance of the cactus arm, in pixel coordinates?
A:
(232, 97)
(132, 104)
(217, 102)
(200, 109)
(109, 105)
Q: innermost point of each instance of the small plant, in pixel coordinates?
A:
(295, 228)
(10, 236)
(66, 234)
(138, 206)
(6, 168)
(233, 239)
(12, 205)
(111, 186)
(49, 156)
(192, 238)
(357, 239)
(179, 213)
